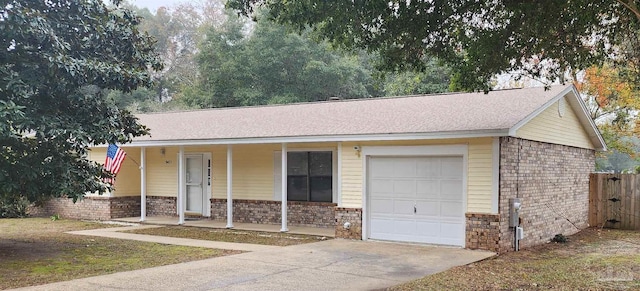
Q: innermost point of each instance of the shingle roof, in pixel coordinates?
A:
(425, 114)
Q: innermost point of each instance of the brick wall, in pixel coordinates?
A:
(313, 214)
(483, 231)
(553, 183)
(354, 217)
(93, 208)
(162, 206)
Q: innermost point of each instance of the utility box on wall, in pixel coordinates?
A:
(514, 212)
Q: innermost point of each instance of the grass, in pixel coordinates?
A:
(36, 251)
(593, 259)
(230, 235)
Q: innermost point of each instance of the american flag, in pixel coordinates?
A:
(115, 156)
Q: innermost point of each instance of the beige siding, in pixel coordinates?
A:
(128, 179)
(252, 172)
(253, 169)
(162, 171)
(351, 176)
(550, 127)
(479, 175)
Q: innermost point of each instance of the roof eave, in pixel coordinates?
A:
(323, 138)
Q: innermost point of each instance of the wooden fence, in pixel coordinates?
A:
(614, 201)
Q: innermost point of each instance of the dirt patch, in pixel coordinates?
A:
(231, 235)
(593, 259)
(36, 251)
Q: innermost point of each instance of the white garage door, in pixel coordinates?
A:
(416, 199)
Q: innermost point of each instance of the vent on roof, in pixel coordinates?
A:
(334, 98)
(561, 107)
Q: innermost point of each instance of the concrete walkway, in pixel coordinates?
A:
(208, 223)
(326, 265)
(114, 232)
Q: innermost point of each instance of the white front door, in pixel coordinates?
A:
(195, 179)
(416, 199)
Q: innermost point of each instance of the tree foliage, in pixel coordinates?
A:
(545, 39)
(265, 63)
(57, 58)
(613, 103)
(271, 65)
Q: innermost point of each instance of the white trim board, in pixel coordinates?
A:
(321, 138)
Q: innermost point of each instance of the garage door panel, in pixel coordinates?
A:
(427, 229)
(450, 230)
(382, 226)
(403, 207)
(381, 206)
(380, 167)
(404, 188)
(427, 189)
(451, 209)
(428, 208)
(451, 190)
(433, 185)
(404, 167)
(382, 187)
(404, 226)
(428, 168)
(451, 167)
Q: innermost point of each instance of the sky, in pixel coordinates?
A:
(154, 4)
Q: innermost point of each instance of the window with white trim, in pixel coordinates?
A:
(309, 176)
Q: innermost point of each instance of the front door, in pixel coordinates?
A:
(194, 177)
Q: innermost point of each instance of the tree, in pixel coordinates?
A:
(548, 40)
(58, 56)
(613, 103)
(272, 65)
(434, 79)
(177, 31)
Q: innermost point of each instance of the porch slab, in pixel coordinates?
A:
(204, 222)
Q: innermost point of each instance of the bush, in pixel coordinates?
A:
(13, 206)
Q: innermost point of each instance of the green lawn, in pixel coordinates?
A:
(36, 251)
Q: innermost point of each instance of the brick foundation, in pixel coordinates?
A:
(91, 207)
(312, 214)
(552, 182)
(483, 231)
(162, 206)
(354, 217)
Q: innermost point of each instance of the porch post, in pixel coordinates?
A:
(143, 184)
(229, 186)
(181, 186)
(284, 188)
(339, 174)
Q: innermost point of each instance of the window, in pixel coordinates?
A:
(309, 176)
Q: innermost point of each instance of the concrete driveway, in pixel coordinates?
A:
(326, 265)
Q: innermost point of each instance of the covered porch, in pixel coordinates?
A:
(245, 186)
(208, 223)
